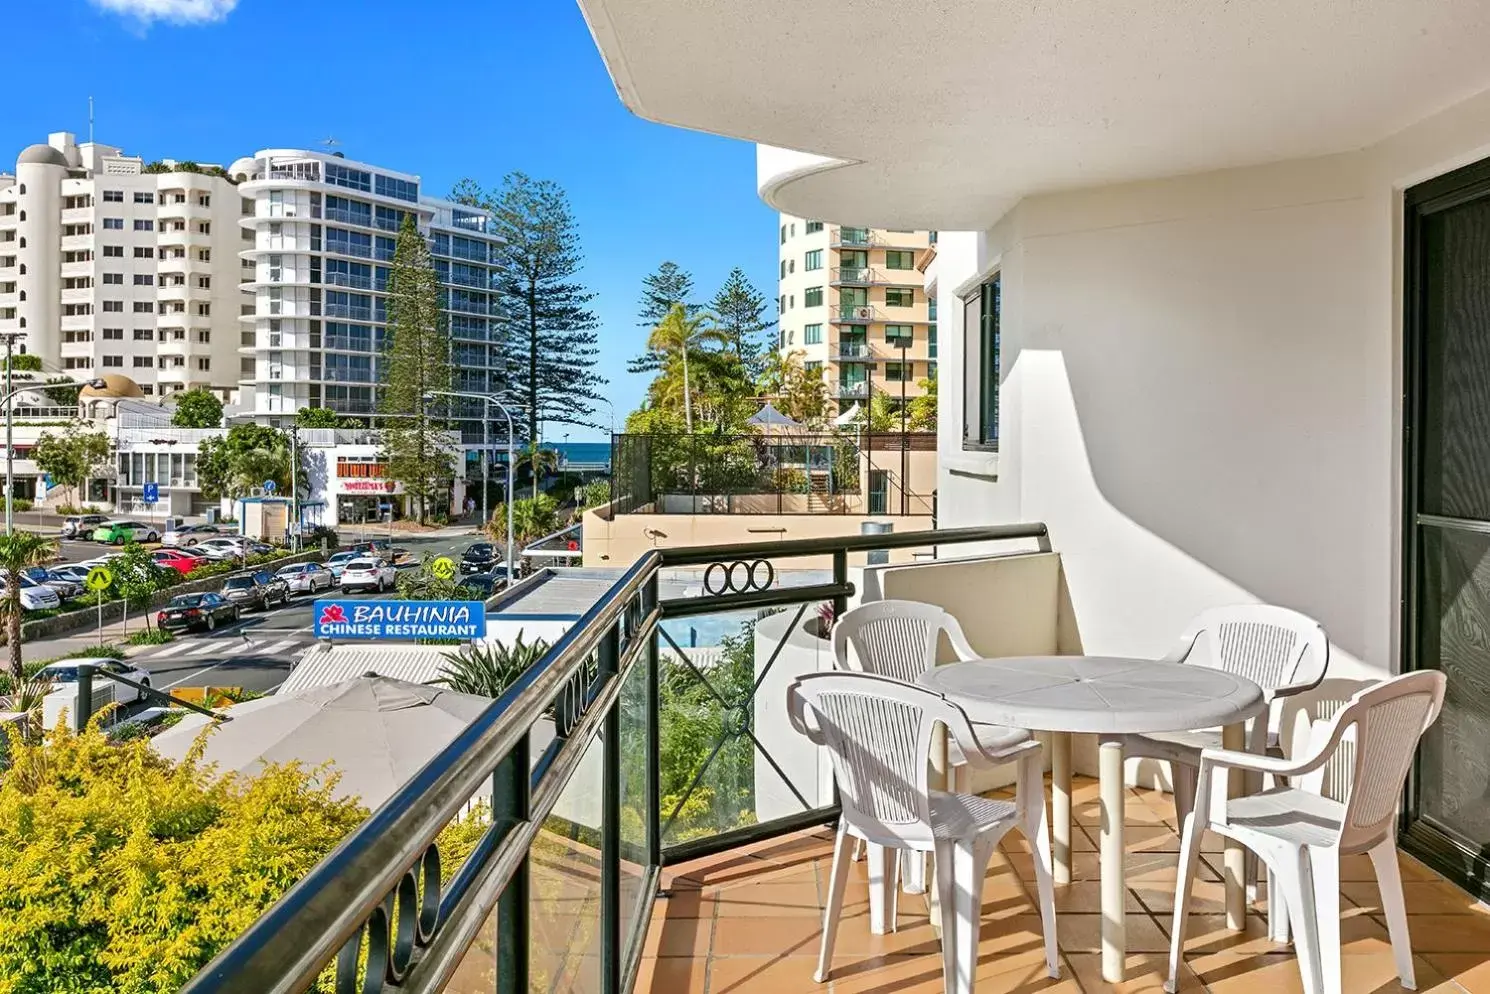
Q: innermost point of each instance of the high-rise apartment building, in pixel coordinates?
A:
(853, 304)
(318, 238)
(112, 265)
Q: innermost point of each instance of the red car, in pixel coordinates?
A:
(177, 559)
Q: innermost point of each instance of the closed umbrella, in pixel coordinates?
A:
(377, 732)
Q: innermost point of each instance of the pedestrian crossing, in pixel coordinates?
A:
(187, 648)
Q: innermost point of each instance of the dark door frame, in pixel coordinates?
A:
(1469, 869)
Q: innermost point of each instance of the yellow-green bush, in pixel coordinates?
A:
(124, 873)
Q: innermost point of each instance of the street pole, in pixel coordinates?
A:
(10, 341)
(295, 487)
(904, 441)
(485, 469)
(511, 460)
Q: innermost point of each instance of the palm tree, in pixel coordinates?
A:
(678, 333)
(488, 670)
(19, 551)
(539, 461)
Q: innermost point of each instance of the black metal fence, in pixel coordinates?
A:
(777, 473)
(626, 749)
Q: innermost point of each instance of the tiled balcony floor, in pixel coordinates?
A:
(751, 920)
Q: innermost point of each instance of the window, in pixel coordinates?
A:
(900, 297)
(204, 200)
(115, 278)
(813, 367)
(144, 252)
(895, 372)
(352, 179)
(113, 251)
(143, 361)
(144, 198)
(113, 307)
(204, 363)
(812, 297)
(204, 282)
(980, 410)
(144, 307)
(900, 259)
(781, 303)
(144, 279)
(898, 335)
(203, 336)
(143, 335)
(814, 260)
(115, 361)
(813, 227)
(204, 255)
(113, 224)
(204, 227)
(144, 225)
(398, 189)
(204, 309)
(783, 234)
(812, 334)
(113, 196)
(783, 269)
(791, 265)
(113, 334)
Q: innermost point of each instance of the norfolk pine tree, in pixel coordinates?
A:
(551, 329)
(739, 312)
(416, 361)
(670, 285)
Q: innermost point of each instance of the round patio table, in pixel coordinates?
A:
(1107, 696)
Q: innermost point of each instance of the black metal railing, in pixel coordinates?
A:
(625, 749)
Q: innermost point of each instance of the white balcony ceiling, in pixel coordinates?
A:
(942, 113)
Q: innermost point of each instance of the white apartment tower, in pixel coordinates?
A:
(316, 249)
(112, 265)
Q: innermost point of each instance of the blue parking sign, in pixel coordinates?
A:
(152, 493)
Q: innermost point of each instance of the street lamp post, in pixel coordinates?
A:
(8, 401)
(486, 461)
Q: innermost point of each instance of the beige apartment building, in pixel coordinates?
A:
(853, 304)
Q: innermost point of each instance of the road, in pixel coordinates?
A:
(255, 653)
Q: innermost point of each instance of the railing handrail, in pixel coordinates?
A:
(288, 947)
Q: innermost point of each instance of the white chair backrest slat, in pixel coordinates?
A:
(894, 638)
(1279, 649)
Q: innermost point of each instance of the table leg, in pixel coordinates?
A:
(1060, 805)
(1235, 859)
(1114, 921)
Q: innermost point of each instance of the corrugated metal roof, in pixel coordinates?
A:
(325, 665)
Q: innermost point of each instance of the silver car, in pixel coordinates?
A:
(306, 578)
(369, 574)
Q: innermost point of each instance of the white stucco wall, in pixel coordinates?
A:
(1201, 389)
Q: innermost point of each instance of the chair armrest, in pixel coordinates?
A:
(1233, 759)
(797, 713)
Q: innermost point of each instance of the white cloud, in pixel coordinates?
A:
(170, 11)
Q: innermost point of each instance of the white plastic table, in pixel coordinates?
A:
(1107, 696)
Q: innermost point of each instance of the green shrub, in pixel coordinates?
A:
(488, 670)
(150, 636)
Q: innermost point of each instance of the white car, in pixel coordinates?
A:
(66, 671)
(34, 596)
(223, 548)
(306, 578)
(187, 536)
(369, 574)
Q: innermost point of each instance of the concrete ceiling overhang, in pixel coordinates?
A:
(942, 113)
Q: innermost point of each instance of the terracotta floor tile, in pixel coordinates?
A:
(1156, 891)
(771, 899)
(1422, 898)
(1146, 975)
(781, 936)
(1471, 971)
(678, 937)
(670, 976)
(776, 974)
(887, 975)
(913, 937)
(1083, 933)
(1085, 896)
(1376, 973)
(1449, 933)
(687, 903)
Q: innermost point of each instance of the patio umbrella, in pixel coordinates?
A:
(849, 416)
(377, 731)
(769, 417)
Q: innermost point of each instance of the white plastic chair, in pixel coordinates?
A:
(1301, 834)
(877, 732)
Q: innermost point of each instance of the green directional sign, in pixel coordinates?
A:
(99, 578)
(443, 568)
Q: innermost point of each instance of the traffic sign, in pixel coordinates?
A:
(99, 578)
(152, 493)
(270, 486)
(443, 568)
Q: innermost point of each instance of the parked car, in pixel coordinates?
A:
(75, 572)
(338, 562)
(235, 547)
(34, 596)
(251, 591)
(488, 583)
(279, 588)
(119, 532)
(369, 574)
(479, 557)
(187, 611)
(187, 536)
(50, 578)
(380, 548)
(67, 672)
(306, 578)
(79, 525)
(177, 559)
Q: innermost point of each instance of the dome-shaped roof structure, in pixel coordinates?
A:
(115, 387)
(243, 168)
(41, 155)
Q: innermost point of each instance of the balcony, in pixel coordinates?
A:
(854, 314)
(343, 216)
(851, 388)
(852, 238)
(850, 351)
(347, 280)
(855, 276)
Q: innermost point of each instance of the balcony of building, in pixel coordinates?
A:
(844, 237)
(856, 276)
(861, 314)
(855, 350)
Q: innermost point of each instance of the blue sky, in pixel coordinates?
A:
(443, 88)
